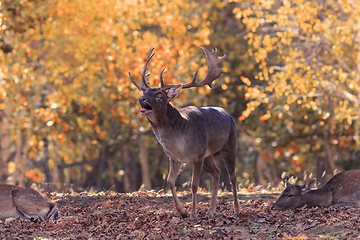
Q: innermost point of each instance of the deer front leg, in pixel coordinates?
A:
(173, 172)
(195, 184)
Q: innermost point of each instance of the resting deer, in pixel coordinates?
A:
(191, 135)
(25, 203)
(343, 189)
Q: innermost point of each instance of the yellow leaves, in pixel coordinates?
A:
(237, 12)
(245, 80)
(261, 55)
(224, 86)
(254, 93)
(349, 120)
(247, 12)
(11, 167)
(343, 76)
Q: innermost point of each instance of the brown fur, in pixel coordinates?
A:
(25, 203)
(343, 189)
(192, 135)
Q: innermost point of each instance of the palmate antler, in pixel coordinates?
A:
(144, 82)
(213, 72)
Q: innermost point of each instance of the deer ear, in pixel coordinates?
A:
(173, 91)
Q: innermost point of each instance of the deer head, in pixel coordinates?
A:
(154, 100)
(292, 196)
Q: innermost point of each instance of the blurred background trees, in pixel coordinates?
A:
(69, 113)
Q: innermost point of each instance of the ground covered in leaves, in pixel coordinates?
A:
(150, 215)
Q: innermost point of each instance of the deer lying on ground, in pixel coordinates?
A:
(191, 135)
(25, 203)
(343, 189)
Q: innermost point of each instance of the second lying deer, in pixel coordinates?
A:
(343, 189)
(25, 203)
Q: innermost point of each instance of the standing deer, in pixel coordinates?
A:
(343, 189)
(25, 203)
(191, 135)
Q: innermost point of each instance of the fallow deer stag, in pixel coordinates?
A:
(342, 189)
(25, 203)
(191, 135)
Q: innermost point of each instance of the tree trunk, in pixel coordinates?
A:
(5, 141)
(144, 160)
(261, 171)
(127, 170)
(112, 173)
(55, 160)
(19, 144)
(62, 175)
(130, 170)
(45, 161)
(103, 157)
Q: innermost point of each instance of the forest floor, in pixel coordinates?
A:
(151, 215)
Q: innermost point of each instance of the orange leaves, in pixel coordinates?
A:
(35, 175)
(62, 137)
(113, 96)
(32, 140)
(265, 117)
(67, 159)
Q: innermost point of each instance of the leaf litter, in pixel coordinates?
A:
(151, 215)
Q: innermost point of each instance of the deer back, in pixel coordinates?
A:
(345, 187)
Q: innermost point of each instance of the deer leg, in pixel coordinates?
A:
(195, 184)
(214, 171)
(230, 165)
(173, 172)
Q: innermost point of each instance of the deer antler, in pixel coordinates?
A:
(144, 84)
(214, 71)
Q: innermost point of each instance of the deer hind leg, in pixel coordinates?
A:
(230, 161)
(173, 172)
(214, 171)
(195, 184)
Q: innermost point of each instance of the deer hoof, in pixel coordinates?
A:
(185, 215)
(209, 216)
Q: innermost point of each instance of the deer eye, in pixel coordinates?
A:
(290, 196)
(159, 97)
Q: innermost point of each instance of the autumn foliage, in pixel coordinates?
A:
(69, 112)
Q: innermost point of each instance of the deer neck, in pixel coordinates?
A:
(166, 119)
(320, 197)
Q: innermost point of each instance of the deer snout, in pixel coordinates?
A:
(142, 100)
(145, 106)
(274, 207)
